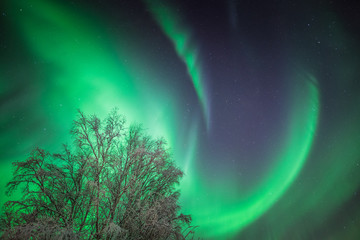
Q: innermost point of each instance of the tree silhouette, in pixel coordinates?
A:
(112, 183)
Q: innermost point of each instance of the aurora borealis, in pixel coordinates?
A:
(259, 101)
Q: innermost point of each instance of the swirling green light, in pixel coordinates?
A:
(218, 216)
(81, 68)
(75, 67)
(82, 72)
(186, 49)
(230, 219)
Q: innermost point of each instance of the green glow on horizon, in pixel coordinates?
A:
(170, 22)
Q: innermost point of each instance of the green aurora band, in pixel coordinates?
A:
(231, 219)
(75, 69)
(218, 216)
(180, 36)
(83, 72)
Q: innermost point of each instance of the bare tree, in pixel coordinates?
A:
(112, 183)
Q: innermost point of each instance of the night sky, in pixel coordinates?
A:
(258, 100)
